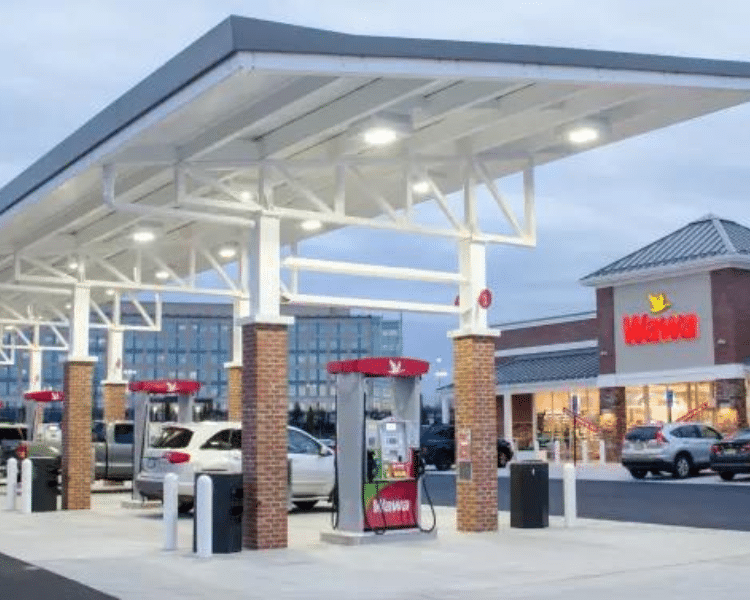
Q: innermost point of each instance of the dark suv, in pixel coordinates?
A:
(438, 445)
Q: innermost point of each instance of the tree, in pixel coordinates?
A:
(296, 416)
(310, 420)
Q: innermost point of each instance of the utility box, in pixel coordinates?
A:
(44, 487)
(529, 494)
(227, 512)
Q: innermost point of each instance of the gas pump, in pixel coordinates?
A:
(145, 429)
(35, 402)
(378, 467)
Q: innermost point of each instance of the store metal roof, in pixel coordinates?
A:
(701, 243)
(568, 365)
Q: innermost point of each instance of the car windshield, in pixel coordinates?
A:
(173, 437)
(642, 434)
(11, 433)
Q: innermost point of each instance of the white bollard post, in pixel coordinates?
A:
(26, 468)
(556, 449)
(170, 511)
(204, 514)
(11, 483)
(602, 453)
(569, 494)
(585, 452)
(536, 447)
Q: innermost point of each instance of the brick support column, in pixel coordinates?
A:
(76, 435)
(264, 435)
(732, 392)
(476, 411)
(115, 401)
(613, 398)
(234, 395)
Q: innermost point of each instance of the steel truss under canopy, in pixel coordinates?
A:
(261, 135)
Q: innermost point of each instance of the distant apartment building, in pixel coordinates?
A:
(195, 342)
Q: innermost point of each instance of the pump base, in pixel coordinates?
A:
(347, 538)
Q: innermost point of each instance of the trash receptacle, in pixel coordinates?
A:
(227, 512)
(44, 491)
(529, 494)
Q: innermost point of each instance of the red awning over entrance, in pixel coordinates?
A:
(44, 396)
(382, 366)
(165, 386)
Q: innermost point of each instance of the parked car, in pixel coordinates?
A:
(216, 446)
(438, 444)
(732, 455)
(112, 443)
(681, 449)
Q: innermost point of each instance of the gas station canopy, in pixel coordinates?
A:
(321, 130)
(44, 396)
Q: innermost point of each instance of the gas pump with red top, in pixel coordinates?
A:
(151, 392)
(35, 402)
(378, 467)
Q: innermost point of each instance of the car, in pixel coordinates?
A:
(681, 449)
(731, 455)
(186, 449)
(438, 447)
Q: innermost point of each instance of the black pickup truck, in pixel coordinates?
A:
(438, 444)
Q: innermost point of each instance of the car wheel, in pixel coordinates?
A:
(305, 504)
(638, 473)
(682, 466)
(185, 507)
(443, 462)
(727, 475)
(502, 460)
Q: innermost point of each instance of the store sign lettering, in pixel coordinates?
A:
(643, 329)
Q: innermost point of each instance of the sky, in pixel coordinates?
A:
(62, 62)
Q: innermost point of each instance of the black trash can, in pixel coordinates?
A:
(529, 494)
(44, 489)
(227, 512)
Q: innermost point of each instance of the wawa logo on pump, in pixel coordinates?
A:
(646, 329)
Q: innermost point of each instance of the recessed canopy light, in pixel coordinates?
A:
(68, 306)
(110, 292)
(311, 225)
(72, 265)
(421, 187)
(143, 236)
(584, 134)
(227, 251)
(245, 196)
(162, 275)
(380, 136)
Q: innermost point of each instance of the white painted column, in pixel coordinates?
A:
(265, 271)
(556, 451)
(472, 265)
(35, 384)
(534, 442)
(508, 416)
(240, 313)
(79, 323)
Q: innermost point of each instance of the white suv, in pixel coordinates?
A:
(216, 446)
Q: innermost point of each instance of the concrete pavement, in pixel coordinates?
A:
(118, 552)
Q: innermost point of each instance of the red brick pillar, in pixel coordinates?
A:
(731, 392)
(234, 395)
(613, 398)
(264, 435)
(115, 401)
(476, 414)
(76, 435)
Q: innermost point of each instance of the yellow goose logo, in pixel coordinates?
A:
(659, 303)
